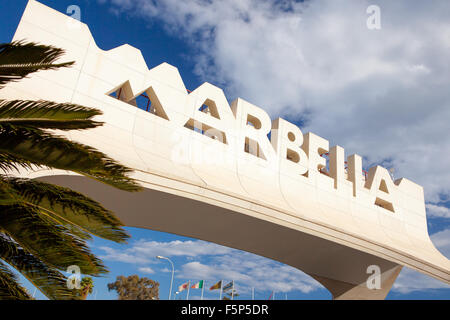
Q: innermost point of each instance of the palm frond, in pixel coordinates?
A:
(48, 280)
(12, 73)
(43, 238)
(11, 196)
(69, 207)
(7, 194)
(22, 52)
(46, 149)
(72, 229)
(43, 113)
(19, 59)
(10, 289)
(43, 227)
(10, 163)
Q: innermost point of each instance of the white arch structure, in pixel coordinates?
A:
(210, 171)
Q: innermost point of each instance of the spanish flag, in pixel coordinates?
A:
(184, 286)
(218, 285)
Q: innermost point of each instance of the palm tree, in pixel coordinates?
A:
(87, 285)
(44, 227)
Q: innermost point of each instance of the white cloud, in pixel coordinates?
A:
(246, 269)
(250, 271)
(211, 262)
(410, 280)
(145, 251)
(441, 240)
(122, 256)
(187, 248)
(381, 93)
(146, 270)
(437, 211)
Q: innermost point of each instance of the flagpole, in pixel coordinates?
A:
(253, 293)
(203, 288)
(221, 287)
(189, 287)
(232, 290)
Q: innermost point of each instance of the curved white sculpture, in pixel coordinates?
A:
(211, 172)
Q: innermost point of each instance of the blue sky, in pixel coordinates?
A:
(315, 66)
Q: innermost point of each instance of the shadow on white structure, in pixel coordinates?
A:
(210, 172)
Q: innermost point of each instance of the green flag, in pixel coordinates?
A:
(198, 285)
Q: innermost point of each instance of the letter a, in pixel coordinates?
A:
(374, 280)
(374, 20)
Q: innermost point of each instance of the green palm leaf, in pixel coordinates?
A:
(48, 280)
(46, 149)
(47, 115)
(10, 289)
(44, 228)
(21, 52)
(50, 242)
(19, 59)
(9, 163)
(69, 207)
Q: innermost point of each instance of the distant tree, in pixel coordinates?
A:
(135, 288)
(86, 287)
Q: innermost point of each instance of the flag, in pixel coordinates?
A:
(216, 286)
(198, 285)
(184, 286)
(228, 286)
